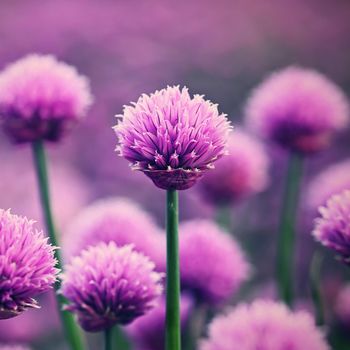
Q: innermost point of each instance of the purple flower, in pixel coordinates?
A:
(148, 332)
(27, 264)
(331, 181)
(212, 265)
(242, 173)
(116, 220)
(172, 137)
(264, 325)
(332, 229)
(108, 285)
(41, 98)
(298, 108)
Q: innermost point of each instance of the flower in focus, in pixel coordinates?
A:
(298, 108)
(172, 137)
(148, 332)
(264, 325)
(27, 264)
(242, 173)
(41, 98)
(116, 220)
(108, 285)
(332, 180)
(332, 229)
(216, 281)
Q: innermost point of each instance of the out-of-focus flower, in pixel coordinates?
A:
(108, 285)
(172, 137)
(27, 264)
(148, 332)
(216, 281)
(332, 228)
(242, 173)
(332, 180)
(116, 220)
(41, 98)
(264, 325)
(342, 306)
(298, 108)
(32, 325)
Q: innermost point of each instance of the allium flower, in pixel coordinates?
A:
(41, 98)
(332, 229)
(116, 220)
(331, 181)
(212, 265)
(108, 285)
(172, 137)
(27, 264)
(298, 108)
(242, 173)
(264, 325)
(148, 332)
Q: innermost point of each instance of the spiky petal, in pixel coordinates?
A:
(172, 137)
(332, 228)
(108, 285)
(27, 264)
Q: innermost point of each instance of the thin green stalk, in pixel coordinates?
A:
(108, 338)
(195, 326)
(223, 217)
(315, 272)
(173, 332)
(70, 328)
(286, 239)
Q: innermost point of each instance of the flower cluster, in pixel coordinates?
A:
(108, 285)
(116, 220)
(332, 229)
(172, 137)
(215, 282)
(264, 325)
(40, 98)
(242, 173)
(27, 264)
(298, 108)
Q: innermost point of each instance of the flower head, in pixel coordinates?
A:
(332, 229)
(41, 98)
(217, 281)
(27, 264)
(240, 174)
(331, 181)
(116, 220)
(108, 285)
(264, 325)
(148, 331)
(172, 137)
(298, 108)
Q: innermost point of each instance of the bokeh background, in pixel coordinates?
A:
(218, 48)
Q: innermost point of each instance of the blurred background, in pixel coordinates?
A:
(218, 48)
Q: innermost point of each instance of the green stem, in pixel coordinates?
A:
(315, 273)
(195, 326)
(108, 338)
(286, 239)
(70, 328)
(173, 332)
(223, 217)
